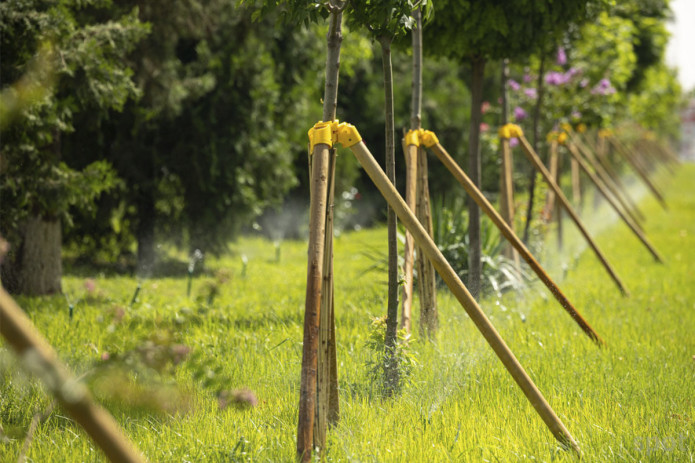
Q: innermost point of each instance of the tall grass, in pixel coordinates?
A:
(631, 401)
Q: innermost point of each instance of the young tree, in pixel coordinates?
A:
(88, 42)
(475, 31)
(386, 21)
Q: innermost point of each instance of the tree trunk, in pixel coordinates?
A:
(35, 268)
(534, 144)
(391, 377)
(475, 244)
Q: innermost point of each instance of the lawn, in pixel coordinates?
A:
(630, 401)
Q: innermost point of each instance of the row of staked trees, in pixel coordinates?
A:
(128, 123)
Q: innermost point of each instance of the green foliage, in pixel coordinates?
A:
(379, 360)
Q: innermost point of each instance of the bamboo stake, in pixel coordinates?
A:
(38, 356)
(553, 166)
(605, 178)
(507, 200)
(604, 191)
(639, 169)
(603, 160)
(312, 311)
(558, 207)
(429, 316)
(535, 160)
(509, 234)
(576, 185)
(454, 283)
(409, 251)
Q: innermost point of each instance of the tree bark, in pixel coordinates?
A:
(391, 377)
(534, 144)
(35, 268)
(475, 268)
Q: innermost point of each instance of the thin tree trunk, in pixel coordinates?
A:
(534, 144)
(390, 366)
(475, 244)
(411, 153)
(327, 409)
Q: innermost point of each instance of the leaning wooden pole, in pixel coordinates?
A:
(560, 196)
(509, 234)
(608, 182)
(38, 356)
(641, 173)
(611, 200)
(429, 248)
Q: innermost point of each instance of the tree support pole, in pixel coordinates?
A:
(312, 311)
(463, 296)
(608, 182)
(509, 234)
(604, 191)
(409, 248)
(641, 173)
(38, 355)
(538, 164)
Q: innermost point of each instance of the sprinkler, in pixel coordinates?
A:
(195, 257)
(135, 294)
(277, 251)
(71, 306)
(244, 264)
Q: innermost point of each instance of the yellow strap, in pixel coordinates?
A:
(330, 133)
(581, 128)
(552, 135)
(605, 133)
(566, 127)
(562, 138)
(412, 138)
(510, 131)
(428, 138)
(420, 136)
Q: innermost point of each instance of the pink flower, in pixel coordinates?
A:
(519, 113)
(513, 84)
(513, 142)
(531, 93)
(484, 127)
(561, 56)
(90, 285)
(485, 107)
(105, 356)
(528, 77)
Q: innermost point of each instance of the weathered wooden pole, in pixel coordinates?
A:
(552, 207)
(40, 358)
(538, 164)
(639, 169)
(606, 194)
(429, 248)
(312, 310)
(601, 173)
(507, 169)
(509, 234)
(427, 285)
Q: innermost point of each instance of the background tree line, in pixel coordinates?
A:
(186, 121)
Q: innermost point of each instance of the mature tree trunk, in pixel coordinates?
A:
(475, 244)
(390, 366)
(35, 267)
(534, 144)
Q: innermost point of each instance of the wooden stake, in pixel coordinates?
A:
(38, 356)
(606, 179)
(454, 283)
(639, 169)
(312, 311)
(509, 234)
(538, 164)
(576, 185)
(553, 166)
(409, 251)
(606, 194)
(429, 316)
(507, 198)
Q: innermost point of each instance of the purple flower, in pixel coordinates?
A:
(576, 115)
(561, 56)
(519, 113)
(531, 93)
(583, 83)
(554, 78)
(603, 87)
(527, 77)
(513, 142)
(571, 72)
(513, 84)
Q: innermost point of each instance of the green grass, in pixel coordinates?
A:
(632, 401)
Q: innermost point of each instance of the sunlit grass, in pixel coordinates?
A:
(632, 401)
